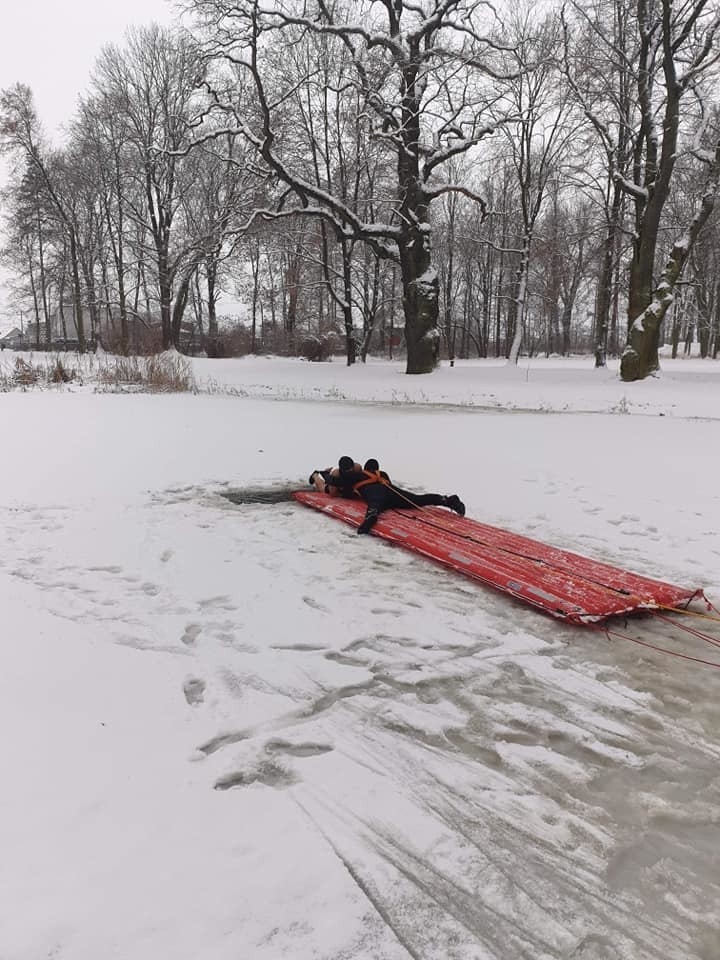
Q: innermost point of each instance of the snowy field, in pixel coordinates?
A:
(242, 732)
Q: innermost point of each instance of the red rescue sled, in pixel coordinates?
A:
(563, 584)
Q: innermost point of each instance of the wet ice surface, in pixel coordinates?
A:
(472, 779)
(523, 790)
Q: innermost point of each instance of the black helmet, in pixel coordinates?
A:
(371, 465)
(346, 464)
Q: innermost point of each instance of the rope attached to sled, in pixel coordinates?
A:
(713, 617)
(616, 634)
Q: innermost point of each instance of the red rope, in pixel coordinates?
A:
(710, 606)
(687, 629)
(643, 643)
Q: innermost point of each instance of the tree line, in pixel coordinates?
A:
(423, 176)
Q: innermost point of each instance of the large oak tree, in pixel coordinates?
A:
(425, 74)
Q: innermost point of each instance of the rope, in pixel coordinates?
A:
(694, 613)
(644, 643)
(415, 506)
(691, 630)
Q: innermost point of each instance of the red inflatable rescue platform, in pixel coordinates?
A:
(566, 585)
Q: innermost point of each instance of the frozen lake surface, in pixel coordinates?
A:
(239, 730)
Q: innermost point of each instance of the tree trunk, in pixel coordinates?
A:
(420, 284)
(109, 316)
(519, 300)
(350, 341)
(36, 305)
(61, 307)
(675, 335)
(43, 280)
(640, 356)
(716, 322)
(449, 280)
(119, 256)
(77, 292)
(605, 285)
(420, 306)
(420, 289)
(178, 312)
(211, 269)
(166, 297)
(645, 313)
(566, 323)
(89, 277)
(371, 308)
(254, 252)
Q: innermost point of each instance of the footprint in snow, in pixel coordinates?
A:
(194, 690)
(192, 631)
(221, 602)
(268, 773)
(297, 749)
(300, 647)
(316, 605)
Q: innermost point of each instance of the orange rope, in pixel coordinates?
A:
(644, 643)
(691, 630)
(693, 613)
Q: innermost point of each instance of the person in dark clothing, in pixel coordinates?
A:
(339, 481)
(374, 467)
(374, 487)
(319, 479)
(322, 479)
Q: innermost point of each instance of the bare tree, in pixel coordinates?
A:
(418, 71)
(152, 82)
(670, 61)
(598, 64)
(20, 133)
(537, 142)
(100, 140)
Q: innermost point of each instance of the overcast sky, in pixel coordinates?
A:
(51, 45)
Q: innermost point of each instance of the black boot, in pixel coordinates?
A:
(456, 504)
(369, 521)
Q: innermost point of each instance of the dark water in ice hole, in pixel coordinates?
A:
(270, 494)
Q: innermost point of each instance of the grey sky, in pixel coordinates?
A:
(52, 46)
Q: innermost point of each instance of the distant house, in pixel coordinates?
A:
(11, 337)
(62, 328)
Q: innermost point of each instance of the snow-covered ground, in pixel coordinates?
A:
(242, 732)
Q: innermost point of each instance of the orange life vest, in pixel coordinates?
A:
(370, 477)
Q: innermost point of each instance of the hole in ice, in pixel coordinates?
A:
(274, 493)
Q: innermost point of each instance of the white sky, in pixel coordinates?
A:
(52, 47)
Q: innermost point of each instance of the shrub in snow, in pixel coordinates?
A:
(167, 372)
(318, 349)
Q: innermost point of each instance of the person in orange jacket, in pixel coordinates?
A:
(373, 486)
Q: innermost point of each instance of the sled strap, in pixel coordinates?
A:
(370, 477)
